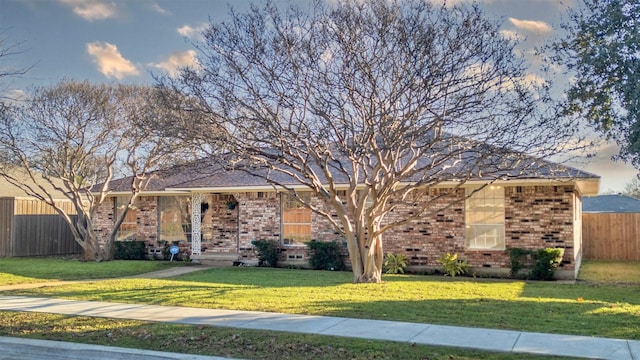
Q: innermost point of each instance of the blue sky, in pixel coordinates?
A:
(126, 41)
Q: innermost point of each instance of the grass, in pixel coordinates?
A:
(610, 272)
(235, 343)
(23, 271)
(586, 308)
(604, 302)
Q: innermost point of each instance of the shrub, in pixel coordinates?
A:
(541, 263)
(454, 266)
(129, 250)
(267, 252)
(545, 261)
(394, 264)
(519, 259)
(325, 255)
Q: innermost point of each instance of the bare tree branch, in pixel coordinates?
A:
(370, 105)
(71, 139)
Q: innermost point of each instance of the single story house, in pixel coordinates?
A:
(214, 214)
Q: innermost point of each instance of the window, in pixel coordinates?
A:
(127, 230)
(484, 211)
(174, 218)
(296, 220)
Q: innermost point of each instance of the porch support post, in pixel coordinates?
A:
(196, 226)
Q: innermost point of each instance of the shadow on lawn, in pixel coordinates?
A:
(532, 311)
(586, 319)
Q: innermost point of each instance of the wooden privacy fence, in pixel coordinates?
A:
(29, 227)
(611, 236)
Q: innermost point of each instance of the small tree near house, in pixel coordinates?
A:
(72, 138)
(369, 105)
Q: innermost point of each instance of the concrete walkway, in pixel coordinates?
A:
(175, 271)
(474, 338)
(427, 334)
(31, 349)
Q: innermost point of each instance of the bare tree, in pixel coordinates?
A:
(8, 50)
(73, 138)
(369, 105)
(632, 188)
(7, 74)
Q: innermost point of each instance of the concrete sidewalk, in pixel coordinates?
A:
(427, 334)
(166, 273)
(31, 349)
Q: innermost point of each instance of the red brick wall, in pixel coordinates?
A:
(439, 231)
(541, 217)
(103, 219)
(220, 225)
(147, 219)
(259, 217)
(535, 217)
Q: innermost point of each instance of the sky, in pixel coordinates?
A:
(129, 40)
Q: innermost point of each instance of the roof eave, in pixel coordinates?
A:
(586, 186)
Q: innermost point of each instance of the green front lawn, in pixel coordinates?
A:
(24, 270)
(586, 308)
(234, 343)
(610, 272)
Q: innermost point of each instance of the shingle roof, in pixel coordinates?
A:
(209, 174)
(610, 204)
(7, 189)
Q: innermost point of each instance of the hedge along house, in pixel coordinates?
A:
(213, 214)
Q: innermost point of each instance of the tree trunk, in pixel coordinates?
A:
(91, 249)
(108, 248)
(91, 246)
(372, 258)
(357, 266)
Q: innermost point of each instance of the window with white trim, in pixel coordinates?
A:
(296, 220)
(484, 218)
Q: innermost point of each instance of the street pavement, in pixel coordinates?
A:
(412, 333)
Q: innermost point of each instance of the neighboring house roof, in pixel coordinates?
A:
(208, 175)
(7, 189)
(610, 204)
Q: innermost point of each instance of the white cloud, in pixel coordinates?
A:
(511, 35)
(449, 3)
(534, 79)
(159, 9)
(614, 174)
(191, 32)
(92, 9)
(109, 60)
(13, 96)
(178, 60)
(531, 25)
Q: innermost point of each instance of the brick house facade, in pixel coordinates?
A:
(537, 214)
